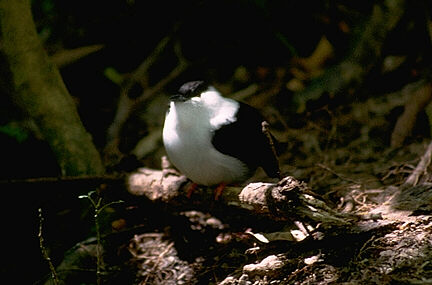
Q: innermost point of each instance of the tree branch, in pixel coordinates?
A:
(127, 105)
(418, 95)
(289, 199)
(65, 57)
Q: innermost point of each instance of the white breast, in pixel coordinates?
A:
(187, 135)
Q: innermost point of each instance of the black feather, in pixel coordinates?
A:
(245, 140)
(193, 88)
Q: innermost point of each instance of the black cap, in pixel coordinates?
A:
(190, 89)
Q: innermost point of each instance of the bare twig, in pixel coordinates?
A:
(68, 56)
(182, 65)
(245, 93)
(419, 95)
(266, 132)
(148, 144)
(45, 251)
(158, 260)
(126, 105)
(421, 167)
(140, 74)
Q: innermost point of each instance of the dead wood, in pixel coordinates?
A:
(288, 200)
(269, 266)
(291, 199)
(421, 167)
(156, 184)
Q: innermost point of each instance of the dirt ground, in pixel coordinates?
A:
(342, 155)
(345, 158)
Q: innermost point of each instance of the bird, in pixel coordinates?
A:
(215, 140)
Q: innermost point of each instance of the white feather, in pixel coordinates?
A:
(187, 135)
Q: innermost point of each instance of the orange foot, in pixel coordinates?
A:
(218, 191)
(191, 188)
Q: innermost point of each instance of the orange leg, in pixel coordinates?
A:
(219, 189)
(191, 188)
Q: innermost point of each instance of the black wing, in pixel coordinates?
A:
(245, 140)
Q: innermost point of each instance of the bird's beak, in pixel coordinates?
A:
(178, 98)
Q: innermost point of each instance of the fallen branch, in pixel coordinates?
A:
(421, 167)
(156, 185)
(291, 199)
(288, 200)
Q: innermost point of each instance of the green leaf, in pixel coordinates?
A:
(14, 131)
(112, 74)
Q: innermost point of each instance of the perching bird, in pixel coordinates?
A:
(216, 140)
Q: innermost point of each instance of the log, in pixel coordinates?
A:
(289, 200)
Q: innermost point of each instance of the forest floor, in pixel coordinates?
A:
(344, 157)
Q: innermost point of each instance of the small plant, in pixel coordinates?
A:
(45, 251)
(98, 207)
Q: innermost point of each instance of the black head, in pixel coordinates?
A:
(189, 90)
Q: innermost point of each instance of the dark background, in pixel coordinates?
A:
(216, 38)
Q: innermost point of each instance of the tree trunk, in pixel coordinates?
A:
(35, 85)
